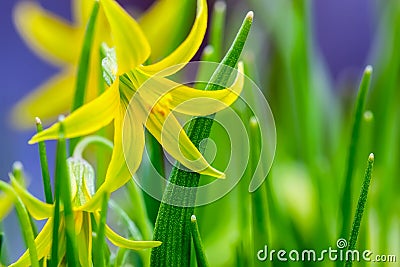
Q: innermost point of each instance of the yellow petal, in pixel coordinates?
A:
(46, 102)
(190, 101)
(38, 209)
(166, 20)
(51, 36)
(128, 140)
(122, 242)
(170, 134)
(43, 245)
(7, 202)
(131, 142)
(130, 43)
(85, 243)
(187, 49)
(87, 119)
(81, 11)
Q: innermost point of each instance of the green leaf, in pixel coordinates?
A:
(353, 148)
(173, 222)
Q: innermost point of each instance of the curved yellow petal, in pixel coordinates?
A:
(166, 20)
(166, 129)
(130, 43)
(7, 203)
(191, 101)
(87, 119)
(122, 242)
(51, 36)
(38, 209)
(127, 155)
(187, 49)
(128, 149)
(43, 245)
(46, 102)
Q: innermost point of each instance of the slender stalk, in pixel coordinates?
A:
(157, 160)
(65, 196)
(353, 148)
(102, 155)
(173, 222)
(84, 65)
(56, 222)
(100, 242)
(259, 202)
(25, 222)
(18, 174)
(217, 28)
(44, 165)
(198, 244)
(362, 200)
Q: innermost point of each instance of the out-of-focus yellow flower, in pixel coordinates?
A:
(82, 189)
(59, 42)
(6, 201)
(126, 75)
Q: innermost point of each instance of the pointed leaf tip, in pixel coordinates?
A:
(220, 6)
(250, 15)
(368, 70)
(371, 157)
(38, 121)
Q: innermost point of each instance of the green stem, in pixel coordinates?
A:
(62, 174)
(18, 174)
(217, 28)
(259, 202)
(25, 222)
(44, 165)
(362, 200)
(157, 160)
(353, 148)
(173, 222)
(84, 65)
(140, 216)
(198, 244)
(100, 238)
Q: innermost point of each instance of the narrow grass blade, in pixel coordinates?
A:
(217, 29)
(173, 223)
(25, 222)
(362, 200)
(98, 256)
(352, 153)
(65, 196)
(259, 202)
(84, 64)
(44, 165)
(157, 160)
(18, 173)
(198, 245)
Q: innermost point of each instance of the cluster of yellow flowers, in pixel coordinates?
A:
(134, 44)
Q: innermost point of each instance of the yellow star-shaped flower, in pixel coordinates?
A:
(151, 100)
(82, 189)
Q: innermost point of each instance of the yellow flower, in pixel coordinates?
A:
(82, 188)
(129, 80)
(59, 42)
